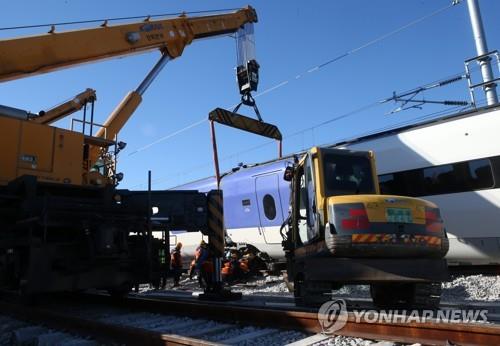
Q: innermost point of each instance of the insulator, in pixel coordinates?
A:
(452, 80)
(456, 103)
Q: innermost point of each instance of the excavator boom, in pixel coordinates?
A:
(22, 57)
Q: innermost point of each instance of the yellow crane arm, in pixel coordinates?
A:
(25, 56)
(65, 108)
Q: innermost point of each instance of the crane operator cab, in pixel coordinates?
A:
(342, 231)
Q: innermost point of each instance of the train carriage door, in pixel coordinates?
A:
(269, 206)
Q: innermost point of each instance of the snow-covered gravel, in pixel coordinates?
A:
(348, 341)
(185, 326)
(268, 284)
(14, 332)
(462, 289)
(467, 289)
(472, 288)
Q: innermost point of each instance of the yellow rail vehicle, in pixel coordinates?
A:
(64, 225)
(52, 154)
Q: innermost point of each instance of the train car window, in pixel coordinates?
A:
(481, 174)
(269, 207)
(438, 180)
(386, 183)
(245, 202)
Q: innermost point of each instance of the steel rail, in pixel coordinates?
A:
(429, 333)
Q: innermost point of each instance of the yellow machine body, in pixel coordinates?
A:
(339, 200)
(49, 153)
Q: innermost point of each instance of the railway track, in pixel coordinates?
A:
(287, 302)
(183, 322)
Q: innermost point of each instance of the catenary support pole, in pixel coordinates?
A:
(482, 49)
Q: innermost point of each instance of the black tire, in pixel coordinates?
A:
(416, 296)
(120, 292)
(312, 293)
(427, 296)
(299, 291)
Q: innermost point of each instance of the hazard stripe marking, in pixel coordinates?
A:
(214, 212)
(216, 222)
(244, 123)
(384, 238)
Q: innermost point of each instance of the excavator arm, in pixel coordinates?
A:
(26, 56)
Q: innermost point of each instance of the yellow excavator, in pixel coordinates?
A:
(342, 231)
(63, 223)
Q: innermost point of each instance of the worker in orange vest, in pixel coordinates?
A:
(176, 263)
(202, 255)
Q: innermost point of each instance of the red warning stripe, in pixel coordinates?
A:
(385, 238)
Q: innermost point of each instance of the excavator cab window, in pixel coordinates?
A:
(302, 210)
(307, 204)
(347, 175)
(100, 167)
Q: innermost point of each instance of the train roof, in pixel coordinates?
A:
(208, 183)
(396, 130)
(258, 169)
(202, 185)
(242, 172)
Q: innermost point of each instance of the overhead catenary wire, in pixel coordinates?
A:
(308, 71)
(227, 157)
(358, 110)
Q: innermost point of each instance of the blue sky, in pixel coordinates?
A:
(292, 37)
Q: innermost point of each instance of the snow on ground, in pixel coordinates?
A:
(469, 289)
(472, 288)
(273, 285)
(349, 341)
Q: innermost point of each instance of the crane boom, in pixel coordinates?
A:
(90, 161)
(31, 55)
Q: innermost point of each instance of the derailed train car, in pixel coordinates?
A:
(67, 238)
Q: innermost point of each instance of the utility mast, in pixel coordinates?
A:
(483, 58)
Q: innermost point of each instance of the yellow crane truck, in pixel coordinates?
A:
(341, 230)
(64, 225)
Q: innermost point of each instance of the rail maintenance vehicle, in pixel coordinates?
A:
(341, 230)
(64, 224)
